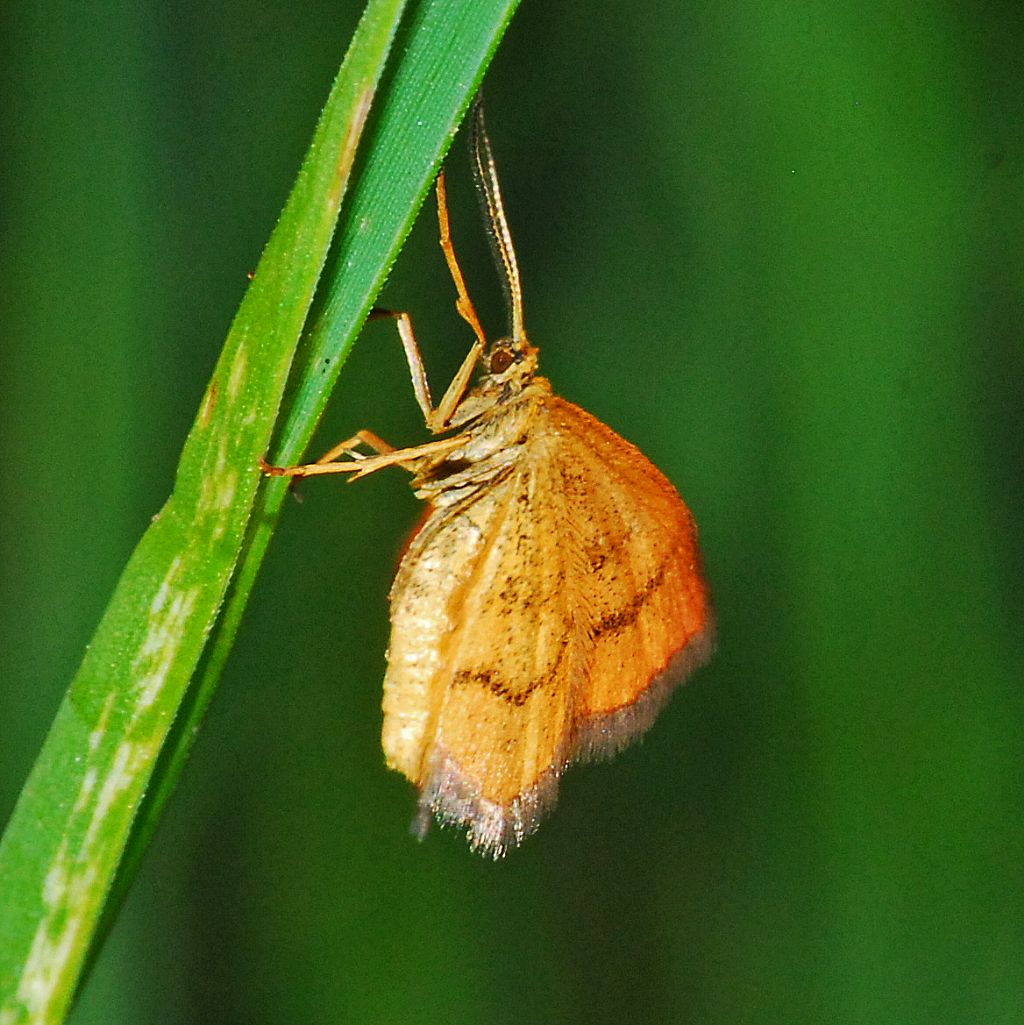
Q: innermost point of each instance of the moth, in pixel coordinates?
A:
(552, 596)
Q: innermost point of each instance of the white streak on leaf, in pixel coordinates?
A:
(237, 375)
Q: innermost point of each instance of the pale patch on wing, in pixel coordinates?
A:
(494, 705)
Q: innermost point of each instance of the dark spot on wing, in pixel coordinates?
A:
(501, 688)
(598, 551)
(630, 612)
(497, 686)
(611, 623)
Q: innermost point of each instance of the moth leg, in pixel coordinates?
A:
(463, 304)
(347, 447)
(420, 387)
(359, 465)
(367, 438)
(437, 418)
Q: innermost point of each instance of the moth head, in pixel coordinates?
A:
(510, 359)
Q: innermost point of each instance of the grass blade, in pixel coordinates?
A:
(67, 833)
(447, 47)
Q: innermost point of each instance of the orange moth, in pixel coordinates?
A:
(552, 597)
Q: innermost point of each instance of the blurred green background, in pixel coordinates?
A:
(778, 245)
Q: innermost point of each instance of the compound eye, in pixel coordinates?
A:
(501, 361)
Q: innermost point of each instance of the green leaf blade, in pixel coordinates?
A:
(450, 43)
(441, 68)
(67, 833)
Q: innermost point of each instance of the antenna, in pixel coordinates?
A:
(486, 176)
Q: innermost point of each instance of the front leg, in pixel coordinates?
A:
(436, 419)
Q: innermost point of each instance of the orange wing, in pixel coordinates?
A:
(535, 623)
(648, 617)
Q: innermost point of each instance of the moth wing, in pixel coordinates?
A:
(640, 585)
(485, 658)
(545, 619)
